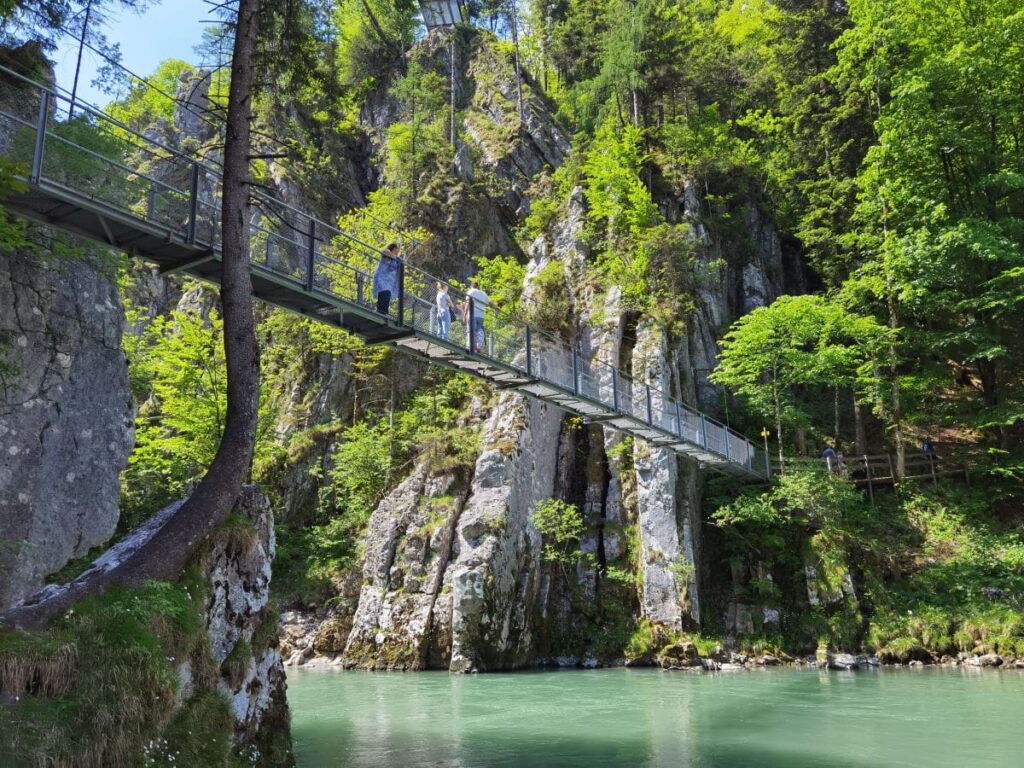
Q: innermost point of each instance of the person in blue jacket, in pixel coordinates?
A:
(385, 278)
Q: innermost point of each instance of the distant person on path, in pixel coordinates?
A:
(445, 311)
(385, 278)
(840, 464)
(829, 455)
(478, 301)
(928, 449)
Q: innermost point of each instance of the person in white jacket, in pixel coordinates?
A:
(479, 301)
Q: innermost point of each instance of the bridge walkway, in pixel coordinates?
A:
(93, 176)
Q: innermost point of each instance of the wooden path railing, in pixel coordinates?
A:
(880, 469)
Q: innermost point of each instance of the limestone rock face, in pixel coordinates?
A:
(514, 155)
(743, 281)
(496, 575)
(408, 548)
(666, 531)
(66, 416)
(242, 631)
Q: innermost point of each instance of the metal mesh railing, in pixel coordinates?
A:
(102, 160)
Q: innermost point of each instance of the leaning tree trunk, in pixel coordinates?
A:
(168, 550)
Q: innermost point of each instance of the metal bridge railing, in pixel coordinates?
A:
(103, 160)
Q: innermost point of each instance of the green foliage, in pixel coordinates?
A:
(177, 373)
(561, 524)
(371, 36)
(550, 308)
(797, 345)
(369, 459)
(145, 105)
(199, 734)
(501, 277)
(643, 642)
(12, 231)
(419, 155)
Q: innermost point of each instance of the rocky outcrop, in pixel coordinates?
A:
(668, 565)
(408, 549)
(66, 415)
(741, 276)
(243, 630)
(515, 146)
(496, 585)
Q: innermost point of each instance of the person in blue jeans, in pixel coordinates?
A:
(445, 309)
(385, 278)
(479, 301)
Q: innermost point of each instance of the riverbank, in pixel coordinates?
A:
(611, 718)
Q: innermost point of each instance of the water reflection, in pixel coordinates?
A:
(618, 718)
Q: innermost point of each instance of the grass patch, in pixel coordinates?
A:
(99, 684)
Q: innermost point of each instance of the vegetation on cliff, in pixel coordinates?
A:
(858, 128)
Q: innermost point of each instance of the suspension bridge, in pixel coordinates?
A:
(82, 171)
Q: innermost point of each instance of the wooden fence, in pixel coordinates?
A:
(880, 469)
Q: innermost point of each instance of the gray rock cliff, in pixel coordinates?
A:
(66, 416)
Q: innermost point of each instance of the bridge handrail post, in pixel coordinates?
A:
(37, 151)
(193, 205)
(470, 330)
(311, 254)
(575, 372)
(401, 291)
(650, 411)
(529, 352)
(615, 387)
(679, 420)
(728, 449)
(704, 431)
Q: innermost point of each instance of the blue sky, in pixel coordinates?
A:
(169, 29)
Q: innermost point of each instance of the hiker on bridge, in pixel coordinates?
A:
(445, 309)
(476, 305)
(385, 278)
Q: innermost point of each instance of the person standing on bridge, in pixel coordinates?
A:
(445, 311)
(476, 305)
(385, 278)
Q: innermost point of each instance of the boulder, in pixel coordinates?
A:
(986, 660)
(845, 661)
(679, 655)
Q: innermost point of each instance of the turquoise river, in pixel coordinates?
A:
(787, 718)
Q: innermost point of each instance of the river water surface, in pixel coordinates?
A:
(787, 718)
